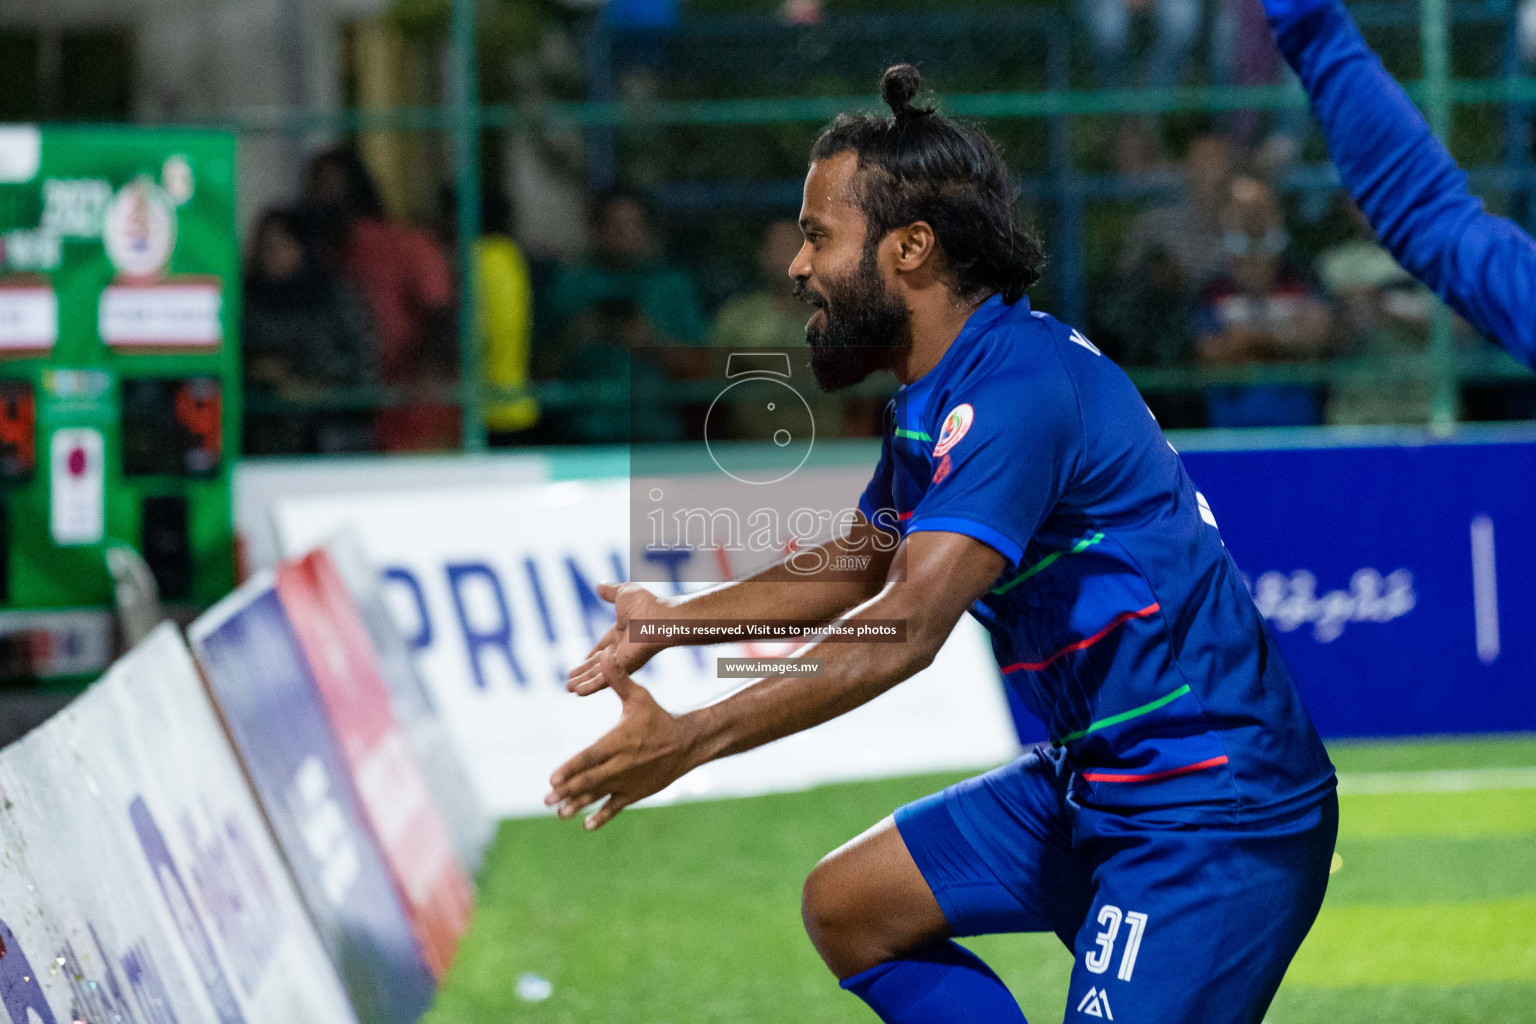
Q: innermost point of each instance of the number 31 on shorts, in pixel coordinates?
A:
(1097, 960)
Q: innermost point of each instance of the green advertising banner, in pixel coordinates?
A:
(119, 376)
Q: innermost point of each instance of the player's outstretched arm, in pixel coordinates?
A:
(651, 747)
(805, 586)
(1405, 182)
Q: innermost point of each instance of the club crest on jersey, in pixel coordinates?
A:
(955, 426)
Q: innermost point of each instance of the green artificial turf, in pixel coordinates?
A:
(689, 914)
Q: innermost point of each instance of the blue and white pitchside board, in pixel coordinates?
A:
(1399, 578)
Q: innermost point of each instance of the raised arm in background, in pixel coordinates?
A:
(1405, 182)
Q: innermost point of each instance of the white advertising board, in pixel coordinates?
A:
(260, 484)
(159, 893)
(97, 946)
(493, 588)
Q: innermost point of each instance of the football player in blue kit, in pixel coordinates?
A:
(1176, 833)
(1405, 182)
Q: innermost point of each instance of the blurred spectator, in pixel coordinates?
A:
(505, 296)
(405, 279)
(1175, 30)
(1175, 25)
(1172, 253)
(1188, 232)
(625, 269)
(642, 32)
(1383, 318)
(604, 313)
(1149, 320)
(622, 388)
(770, 315)
(1243, 54)
(304, 333)
(1260, 310)
(1151, 314)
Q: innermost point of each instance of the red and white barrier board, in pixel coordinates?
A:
(493, 588)
(266, 690)
(155, 893)
(391, 788)
(469, 827)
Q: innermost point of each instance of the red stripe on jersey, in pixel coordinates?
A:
(1083, 645)
(1154, 776)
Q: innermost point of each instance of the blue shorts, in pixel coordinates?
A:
(1168, 924)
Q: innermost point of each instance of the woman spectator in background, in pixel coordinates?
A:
(406, 280)
(305, 334)
(1260, 310)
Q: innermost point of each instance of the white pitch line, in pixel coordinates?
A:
(1457, 780)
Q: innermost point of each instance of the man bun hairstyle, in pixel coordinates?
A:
(918, 165)
(898, 87)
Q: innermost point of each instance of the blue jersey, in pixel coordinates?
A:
(1404, 181)
(1119, 620)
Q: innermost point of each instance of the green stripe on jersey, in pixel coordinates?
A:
(1124, 716)
(1046, 562)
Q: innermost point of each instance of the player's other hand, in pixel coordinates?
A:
(630, 601)
(647, 751)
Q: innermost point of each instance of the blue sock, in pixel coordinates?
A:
(942, 984)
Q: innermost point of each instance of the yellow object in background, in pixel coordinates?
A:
(506, 326)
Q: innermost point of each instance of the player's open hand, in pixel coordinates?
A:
(630, 601)
(647, 751)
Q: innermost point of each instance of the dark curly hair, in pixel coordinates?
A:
(920, 165)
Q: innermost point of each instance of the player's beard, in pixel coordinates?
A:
(862, 325)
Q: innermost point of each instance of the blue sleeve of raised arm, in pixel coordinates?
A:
(1405, 182)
